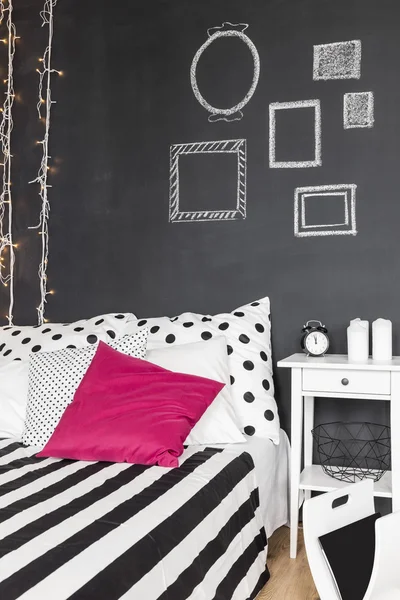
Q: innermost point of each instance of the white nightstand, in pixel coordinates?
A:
(332, 376)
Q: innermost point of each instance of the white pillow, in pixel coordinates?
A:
(218, 424)
(248, 333)
(54, 378)
(13, 397)
(16, 343)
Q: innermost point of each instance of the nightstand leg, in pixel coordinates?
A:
(308, 438)
(296, 435)
(395, 439)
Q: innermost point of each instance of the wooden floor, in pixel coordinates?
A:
(290, 579)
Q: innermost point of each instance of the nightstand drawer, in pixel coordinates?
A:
(346, 381)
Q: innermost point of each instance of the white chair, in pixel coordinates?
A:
(320, 517)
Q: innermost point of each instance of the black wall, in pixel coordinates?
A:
(125, 97)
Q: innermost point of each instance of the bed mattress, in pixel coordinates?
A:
(79, 530)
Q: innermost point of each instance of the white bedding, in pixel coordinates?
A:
(271, 463)
(272, 473)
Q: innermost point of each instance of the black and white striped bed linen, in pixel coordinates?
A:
(78, 530)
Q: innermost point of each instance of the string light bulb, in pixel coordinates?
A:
(44, 104)
(6, 127)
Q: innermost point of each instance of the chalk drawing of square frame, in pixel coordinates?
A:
(348, 191)
(273, 107)
(237, 147)
(369, 101)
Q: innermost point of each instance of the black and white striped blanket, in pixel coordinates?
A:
(103, 531)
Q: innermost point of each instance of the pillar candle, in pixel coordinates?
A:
(358, 341)
(382, 340)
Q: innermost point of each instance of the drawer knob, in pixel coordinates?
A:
(345, 381)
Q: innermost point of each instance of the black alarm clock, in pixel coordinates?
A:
(314, 340)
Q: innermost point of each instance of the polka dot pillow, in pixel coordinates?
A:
(248, 334)
(17, 343)
(54, 378)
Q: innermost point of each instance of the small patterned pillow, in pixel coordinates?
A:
(17, 343)
(54, 378)
(248, 334)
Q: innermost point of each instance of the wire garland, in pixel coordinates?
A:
(44, 110)
(6, 127)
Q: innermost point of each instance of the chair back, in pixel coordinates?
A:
(326, 513)
(385, 577)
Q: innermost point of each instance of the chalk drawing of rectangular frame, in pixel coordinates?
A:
(237, 147)
(348, 226)
(273, 107)
(340, 60)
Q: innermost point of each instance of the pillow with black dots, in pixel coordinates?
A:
(54, 378)
(17, 343)
(248, 333)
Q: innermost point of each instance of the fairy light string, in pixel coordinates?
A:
(44, 104)
(6, 127)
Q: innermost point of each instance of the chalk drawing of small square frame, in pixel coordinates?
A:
(358, 110)
(237, 147)
(273, 107)
(346, 227)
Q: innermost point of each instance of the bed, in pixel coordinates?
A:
(81, 530)
(112, 396)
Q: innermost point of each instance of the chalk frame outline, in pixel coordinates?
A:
(316, 190)
(226, 112)
(237, 147)
(343, 193)
(315, 103)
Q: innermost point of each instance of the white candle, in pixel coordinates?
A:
(358, 341)
(382, 340)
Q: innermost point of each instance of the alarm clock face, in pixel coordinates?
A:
(316, 343)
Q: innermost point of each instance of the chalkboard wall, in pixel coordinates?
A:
(125, 97)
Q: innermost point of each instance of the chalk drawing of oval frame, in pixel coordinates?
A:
(193, 80)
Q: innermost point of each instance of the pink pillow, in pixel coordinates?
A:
(129, 410)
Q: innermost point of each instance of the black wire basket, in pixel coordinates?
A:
(353, 451)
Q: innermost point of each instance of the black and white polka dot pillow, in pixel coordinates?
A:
(54, 378)
(248, 334)
(17, 343)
